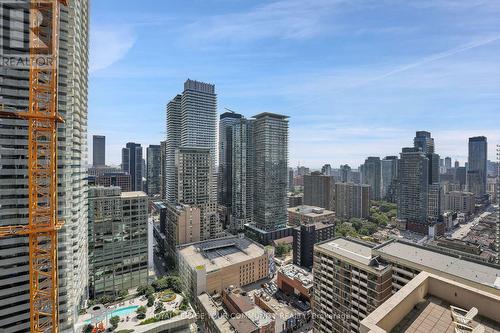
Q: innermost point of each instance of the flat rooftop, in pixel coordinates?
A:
(270, 114)
(297, 273)
(214, 312)
(350, 249)
(259, 317)
(160, 204)
(468, 270)
(310, 211)
(242, 324)
(134, 194)
(219, 253)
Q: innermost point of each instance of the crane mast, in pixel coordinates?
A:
(42, 118)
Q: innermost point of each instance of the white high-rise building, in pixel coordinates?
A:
(199, 116)
(72, 160)
(191, 145)
(172, 143)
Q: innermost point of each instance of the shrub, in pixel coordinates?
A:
(145, 290)
(114, 321)
(184, 304)
(168, 282)
(123, 293)
(141, 312)
(162, 316)
(151, 300)
(105, 299)
(159, 307)
(88, 328)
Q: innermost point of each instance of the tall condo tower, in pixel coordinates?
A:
(271, 171)
(153, 170)
(413, 191)
(98, 150)
(173, 142)
(132, 164)
(477, 172)
(372, 175)
(225, 175)
(243, 173)
(72, 165)
(190, 153)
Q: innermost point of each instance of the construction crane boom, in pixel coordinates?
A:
(42, 119)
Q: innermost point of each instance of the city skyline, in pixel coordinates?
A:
(356, 79)
(337, 164)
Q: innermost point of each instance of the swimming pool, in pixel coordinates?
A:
(124, 311)
(118, 312)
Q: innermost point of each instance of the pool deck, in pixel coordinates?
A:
(130, 320)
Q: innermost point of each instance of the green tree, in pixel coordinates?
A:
(346, 229)
(141, 290)
(141, 312)
(114, 321)
(356, 223)
(168, 282)
(364, 231)
(159, 307)
(151, 300)
(123, 293)
(160, 284)
(380, 218)
(106, 299)
(175, 283)
(88, 328)
(184, 304)
(282, 249)
(386, 207)
(371, 227)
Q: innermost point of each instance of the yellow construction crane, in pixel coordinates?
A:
(42, 120)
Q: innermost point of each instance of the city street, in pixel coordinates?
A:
(464, 229)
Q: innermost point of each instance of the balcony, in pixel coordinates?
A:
(424, 305)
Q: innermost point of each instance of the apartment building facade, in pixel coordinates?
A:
(118, 240)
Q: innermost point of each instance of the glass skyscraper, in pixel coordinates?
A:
(153, 169)
(98, 150)
(243, 167)
(225, 178)
(477, 166)
(271, 171)
(132, 164)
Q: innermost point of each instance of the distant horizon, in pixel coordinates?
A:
(462, 160)
(357, 78)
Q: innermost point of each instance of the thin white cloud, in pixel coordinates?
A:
(287, 19)
(432, 58)
(489, 5)
(109, 45)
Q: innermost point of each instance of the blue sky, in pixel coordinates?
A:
(356, 77)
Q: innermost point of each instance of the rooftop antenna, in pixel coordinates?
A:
(232, 111)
